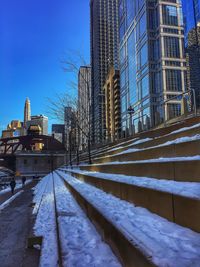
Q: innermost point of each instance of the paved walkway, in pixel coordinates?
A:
(7, 195)
(15, 226)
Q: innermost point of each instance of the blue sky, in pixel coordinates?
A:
(34, 35)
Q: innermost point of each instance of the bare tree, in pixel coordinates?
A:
(72, 64)
(56, 106)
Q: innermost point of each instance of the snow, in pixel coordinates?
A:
(185, 129)
(18, 186)
(8, 201)
(81, 244)
(4, 191)
(186, 189)
(172, 159)
(38, 193)
(168, 143)
(45, 225)
(136, 142)
(164, 242)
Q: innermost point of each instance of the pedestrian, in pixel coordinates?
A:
(23, 181)
(12, 185)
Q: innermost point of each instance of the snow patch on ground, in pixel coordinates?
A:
(8, 201)
(18, 186)
(166, 243)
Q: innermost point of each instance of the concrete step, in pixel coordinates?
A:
(190, 148)
(159, 136)
(145, 143)
(174, 201)
(177, 169)
(138, 237)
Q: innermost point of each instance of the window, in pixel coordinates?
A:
(145, 86)
(143, 55)
(174, 110)
(124, 105)
(171, 47)
(170, 15)
(25, 161)
(173, 80)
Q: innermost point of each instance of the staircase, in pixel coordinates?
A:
(143, 195)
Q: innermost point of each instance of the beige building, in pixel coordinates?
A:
(84, 105)
(112, 105)
(14, 129)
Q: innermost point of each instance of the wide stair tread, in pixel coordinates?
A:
(157, 241)
(178, 202)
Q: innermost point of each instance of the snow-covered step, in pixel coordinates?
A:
(81, 245)
(45, 225)
(140, 237)
(183, 146)
(178, 169)
(178, 202)
(187, 133)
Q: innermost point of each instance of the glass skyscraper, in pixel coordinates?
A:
(152, 61)
(191, 15)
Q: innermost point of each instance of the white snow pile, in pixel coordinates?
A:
(164, 242)
(168, 143)
(18, 186)
(81, 244)
(133, 143)
(186, 189)
(154, 160)
(39, 192)
(45, 224)
(185, 129)
(8, 201)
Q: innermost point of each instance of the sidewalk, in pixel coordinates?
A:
(15, 225)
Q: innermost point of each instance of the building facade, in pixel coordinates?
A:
(84, 106)
(70, 129)
(14, 129)
(58, 132)
(191, 14)
(104, 53)
(39, 120)
(112, 105)
(27, 111)
(152, 62)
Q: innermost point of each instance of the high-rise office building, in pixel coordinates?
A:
(70, 128)
(104, 53)
(58, 132)
(39, 120)
(191, 15)
(112, 105)
(84, 105)
(27, 111)
(152, 62)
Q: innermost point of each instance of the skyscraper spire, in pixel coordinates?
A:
(27, 111)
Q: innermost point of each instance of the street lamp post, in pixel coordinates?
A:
(131, 111)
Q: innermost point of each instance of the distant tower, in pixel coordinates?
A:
(27, 111)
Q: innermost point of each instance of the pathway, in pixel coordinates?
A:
(15, 226)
